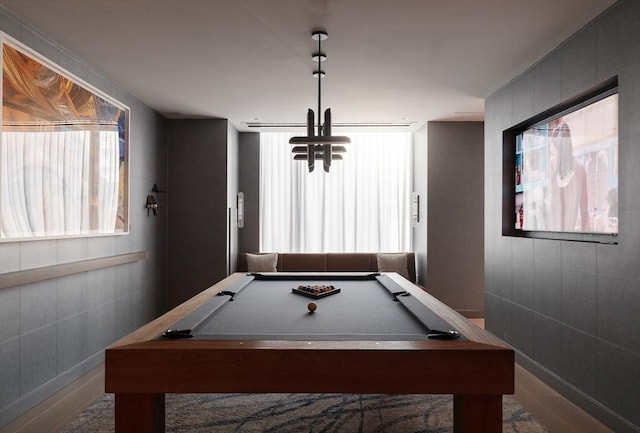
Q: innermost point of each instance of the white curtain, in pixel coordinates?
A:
(47, 186)
(108, 181)
(361, 205)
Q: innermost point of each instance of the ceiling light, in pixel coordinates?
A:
(319, 142)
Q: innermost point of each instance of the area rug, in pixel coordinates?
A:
(310, 413)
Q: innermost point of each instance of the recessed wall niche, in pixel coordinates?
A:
(560, 170)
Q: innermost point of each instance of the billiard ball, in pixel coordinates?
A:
(312, 307)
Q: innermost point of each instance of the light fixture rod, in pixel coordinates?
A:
(319, 36)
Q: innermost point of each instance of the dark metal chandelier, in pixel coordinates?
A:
(319, 144)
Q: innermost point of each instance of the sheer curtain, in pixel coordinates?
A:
(48, 188)
(362, 205)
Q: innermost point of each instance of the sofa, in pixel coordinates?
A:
(331, 262)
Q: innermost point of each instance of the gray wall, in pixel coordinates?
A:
(53, 331)
(420, 182)
(249, 167)
(198, 213)
(455, 215)
(572, 309)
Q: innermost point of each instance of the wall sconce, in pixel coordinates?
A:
(240, 209)
(415, 208)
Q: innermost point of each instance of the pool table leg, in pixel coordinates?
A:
(139, 413)
(477, 413)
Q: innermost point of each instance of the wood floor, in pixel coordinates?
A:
(556, 413)
(53, 414)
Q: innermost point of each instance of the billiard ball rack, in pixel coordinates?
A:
(315, 291)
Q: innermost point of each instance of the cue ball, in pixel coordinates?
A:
(312, 307)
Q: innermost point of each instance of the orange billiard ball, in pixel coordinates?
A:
(312, 307)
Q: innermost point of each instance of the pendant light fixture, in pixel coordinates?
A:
(319, 143)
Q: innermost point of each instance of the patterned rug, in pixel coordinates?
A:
(311, 413)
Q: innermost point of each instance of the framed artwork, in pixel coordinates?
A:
(64, 165)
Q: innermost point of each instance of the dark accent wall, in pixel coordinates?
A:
(53, 331)
(249, 167)
(199, 212)
(572, 309)
(455, 215)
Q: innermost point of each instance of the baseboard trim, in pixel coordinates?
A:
(14, 410)
(596, 409)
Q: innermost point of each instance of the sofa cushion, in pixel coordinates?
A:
(308, 262)
(393, 262)
(351, 262)
(262, 262)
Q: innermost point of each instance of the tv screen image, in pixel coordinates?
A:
(566, 171)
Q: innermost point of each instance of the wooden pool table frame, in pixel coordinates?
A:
(477, 371)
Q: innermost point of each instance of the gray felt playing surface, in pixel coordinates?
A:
(268, 310)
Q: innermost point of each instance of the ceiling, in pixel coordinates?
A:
(402, 61)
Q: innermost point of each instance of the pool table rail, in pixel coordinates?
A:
(425, 367)
(470, 330)
(164, 322)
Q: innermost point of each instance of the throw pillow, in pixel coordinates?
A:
(393, 262)
(262, 262)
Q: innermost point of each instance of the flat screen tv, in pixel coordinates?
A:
(565, 169)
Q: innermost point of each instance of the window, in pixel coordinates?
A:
(362, 205)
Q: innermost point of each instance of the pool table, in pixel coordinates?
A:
(255, 333)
